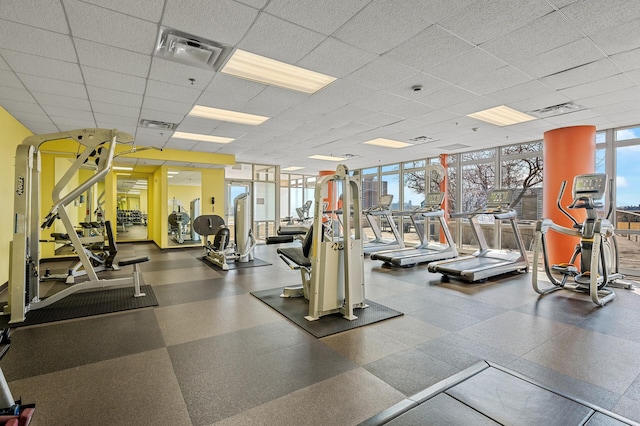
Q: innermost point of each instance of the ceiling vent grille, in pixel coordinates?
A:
(552, 111)
(423, 139)
(191, 50)
(153, 124)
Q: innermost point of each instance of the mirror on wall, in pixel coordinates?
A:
(132, 207)
(184, 205)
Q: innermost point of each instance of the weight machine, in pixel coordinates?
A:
(220, 252)
(597, 249)
(24, 272)
(331, 259)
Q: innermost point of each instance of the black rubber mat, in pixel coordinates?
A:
(295, 309)
(488, 394)
(237, 265)
(88, 303)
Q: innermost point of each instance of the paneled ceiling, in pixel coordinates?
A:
(68, 64)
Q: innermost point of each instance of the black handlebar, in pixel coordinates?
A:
(562, 209)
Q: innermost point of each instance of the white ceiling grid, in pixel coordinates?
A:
(86, 63)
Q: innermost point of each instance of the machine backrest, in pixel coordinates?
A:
(112, 249)
(221, 240)
(307, 242)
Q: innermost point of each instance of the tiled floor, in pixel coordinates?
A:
(213, 354)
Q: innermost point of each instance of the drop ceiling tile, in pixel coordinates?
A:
(618, 107)
(44, 67)
(429, 48)
(112, 58)
(119, 120)
(592, 16)
(428, 83)
(215, 100)
(546, 33)
(55, 87)
(123, 31)
(192, 125)
(277, 39)
(449, 96)
(9, 79)
(14, 94)
(3, 63)
(117, 97)
(519, 92)
(605, 85)
(150, 10)
(336, 58)
(183, 144)
(485, 20)
(379, 101)
(160, 89)
(39, 128)
(34, 117)
(376, 28)
(35, 13)
(618, 39)
(436, 116)
(165, 105)
(103, 78)
(208, 147)
(23, 38)
(585, 116)
(436, 10)
(469, 107)
(405, 126)
(609, 98)
(67, 123)
(324, 17)
(458, 70)
(569, 56)
(224, 84)
(583, 74)
(380, 119)
(258, 4)
(62, 101)
(18, 106)
(115, 109)
(635, 76)
(382, 73)
(273, 101)
(502, 78)
(175, 73)
(222, 21)
(410, 109)
(627, 61)
(230, 130)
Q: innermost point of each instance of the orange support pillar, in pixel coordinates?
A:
(567, 152)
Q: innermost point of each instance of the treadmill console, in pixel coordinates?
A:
(434, 199)
(591, 185)
(499, 199)
(385, 201)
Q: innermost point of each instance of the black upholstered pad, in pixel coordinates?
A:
(296, 255)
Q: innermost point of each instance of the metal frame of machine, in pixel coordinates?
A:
(374, 215)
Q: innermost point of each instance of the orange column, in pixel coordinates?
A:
(567, 152)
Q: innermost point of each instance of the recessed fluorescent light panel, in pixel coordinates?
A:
(122, 168)
(199, 137)
(227, 115)
(264, 70)
(502, 116)
(291, 168)
(388, 143)
(326, 157)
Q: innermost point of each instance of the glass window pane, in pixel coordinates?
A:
(390, 168)
(479, 155)
(238, 171)
(628, 134)
(524, 177)
(601, 137)
(413, 190)
(522, 148)
(601, 160)
(628, 207)
(370, 191)
(370, 171)
(414, 164)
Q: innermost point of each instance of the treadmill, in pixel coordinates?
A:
(487, 262)
(374, 216)
(427, 251)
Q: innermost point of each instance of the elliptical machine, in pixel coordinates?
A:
(598, 249)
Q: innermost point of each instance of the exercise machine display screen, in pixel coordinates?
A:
(500, 197)
(591, 184)
(434, 198)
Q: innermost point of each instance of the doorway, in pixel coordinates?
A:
(233, 190)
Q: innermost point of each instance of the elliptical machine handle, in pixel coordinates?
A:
(608, 217)
(562, 209)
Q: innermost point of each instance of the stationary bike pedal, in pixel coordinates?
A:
(565, 268)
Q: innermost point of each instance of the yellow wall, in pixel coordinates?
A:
(12, 135)
(212, 186)
(183, 195)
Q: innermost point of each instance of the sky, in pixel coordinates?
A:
(628, 169)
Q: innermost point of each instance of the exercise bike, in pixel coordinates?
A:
(598, 250)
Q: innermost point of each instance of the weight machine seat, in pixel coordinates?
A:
(133, 261)
(300, 255)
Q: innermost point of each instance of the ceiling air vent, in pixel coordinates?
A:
(423, 139)
(349, 156)
(554, 110)
(153, 124)
(191, 50)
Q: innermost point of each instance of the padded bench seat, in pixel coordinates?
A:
(296, 255)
